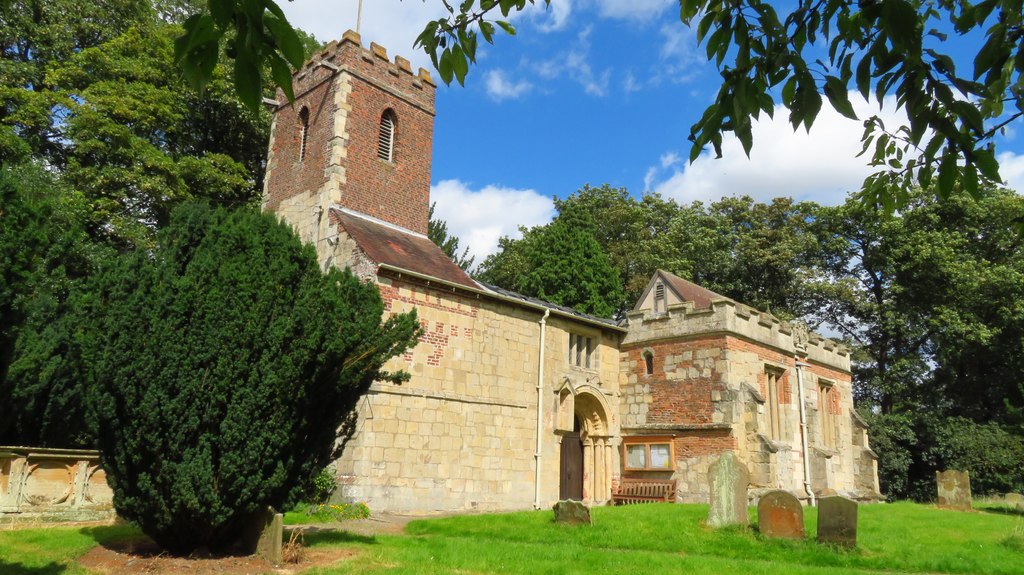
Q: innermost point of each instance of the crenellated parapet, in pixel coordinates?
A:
(372, 63)
(727, 317)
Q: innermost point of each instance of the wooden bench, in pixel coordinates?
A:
(644, 491)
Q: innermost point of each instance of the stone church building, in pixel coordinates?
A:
(515, 403)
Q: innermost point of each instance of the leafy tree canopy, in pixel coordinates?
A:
(562, 262)
(814, 51)
(44, 253)
(223, 370)
(437, 231)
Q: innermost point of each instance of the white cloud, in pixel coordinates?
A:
(821, 166)
(550, 18)
(681, 59)
(499, 87)
(480, 217)
(640, 10)
(1011, 168)
(391, 23)
(669, 159)
(576, 63)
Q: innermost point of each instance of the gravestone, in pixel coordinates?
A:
(954, 489)
(837, 521)
(264, 535)
(828, 492)
(1013, 499)
(572, 512)
(728, 478)
(780, 516)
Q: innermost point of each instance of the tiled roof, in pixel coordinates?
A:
(552, 306)
(689, 291)
(388, 244)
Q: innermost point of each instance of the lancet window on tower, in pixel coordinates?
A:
(303, 131)
(386, 138)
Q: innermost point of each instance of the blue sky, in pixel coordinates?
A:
(594, 92)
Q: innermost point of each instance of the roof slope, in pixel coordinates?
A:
(689, 291)
(394, 246)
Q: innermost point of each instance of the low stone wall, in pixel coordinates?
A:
(53, 485)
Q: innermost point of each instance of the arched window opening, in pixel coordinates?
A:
(386, 138)
(303, 131)
(649, 362)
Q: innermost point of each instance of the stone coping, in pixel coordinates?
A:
(21, 451)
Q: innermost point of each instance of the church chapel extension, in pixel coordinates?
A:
(515, 403)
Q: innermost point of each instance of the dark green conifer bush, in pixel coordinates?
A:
(225, 371)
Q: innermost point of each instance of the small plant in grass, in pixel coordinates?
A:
(338, 511)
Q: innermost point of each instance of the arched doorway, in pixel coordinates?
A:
(587, 451)
(570, 483)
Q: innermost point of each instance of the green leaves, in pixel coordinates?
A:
(881, 47)
(451, 42)
(261, 36)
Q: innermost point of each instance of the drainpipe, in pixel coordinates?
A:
(540, 411)
(803, 428)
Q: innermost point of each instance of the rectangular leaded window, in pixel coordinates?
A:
(581, 351)
(648, 453)
(636, 456)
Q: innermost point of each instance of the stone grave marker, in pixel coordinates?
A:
(264, 535)
(837, 521)
(728, 478)
(780, 515)
(1013, 498)
(572, 512)
(954, 489)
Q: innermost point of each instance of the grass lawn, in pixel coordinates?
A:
(657, 538)
(53, 550)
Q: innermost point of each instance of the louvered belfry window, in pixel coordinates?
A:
(386, 138)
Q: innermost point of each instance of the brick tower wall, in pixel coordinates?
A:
(346, 90)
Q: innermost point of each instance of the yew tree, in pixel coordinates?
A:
(224, 371)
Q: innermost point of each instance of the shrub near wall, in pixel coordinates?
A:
(223, 364)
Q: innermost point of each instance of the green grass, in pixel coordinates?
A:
(659, 538)
(896, 538)
(53, 550)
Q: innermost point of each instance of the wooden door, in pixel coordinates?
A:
(571, 476)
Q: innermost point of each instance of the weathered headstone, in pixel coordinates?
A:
(954, 489)
(264, 535)
(837, 521)
(1013, 498)
(828, 492)
(572, 513)
(780, 515)
(728, 478)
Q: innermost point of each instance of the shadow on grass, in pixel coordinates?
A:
(1003, 511)
(19, 569)
(322, 536)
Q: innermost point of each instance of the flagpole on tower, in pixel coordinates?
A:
(359, 16)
